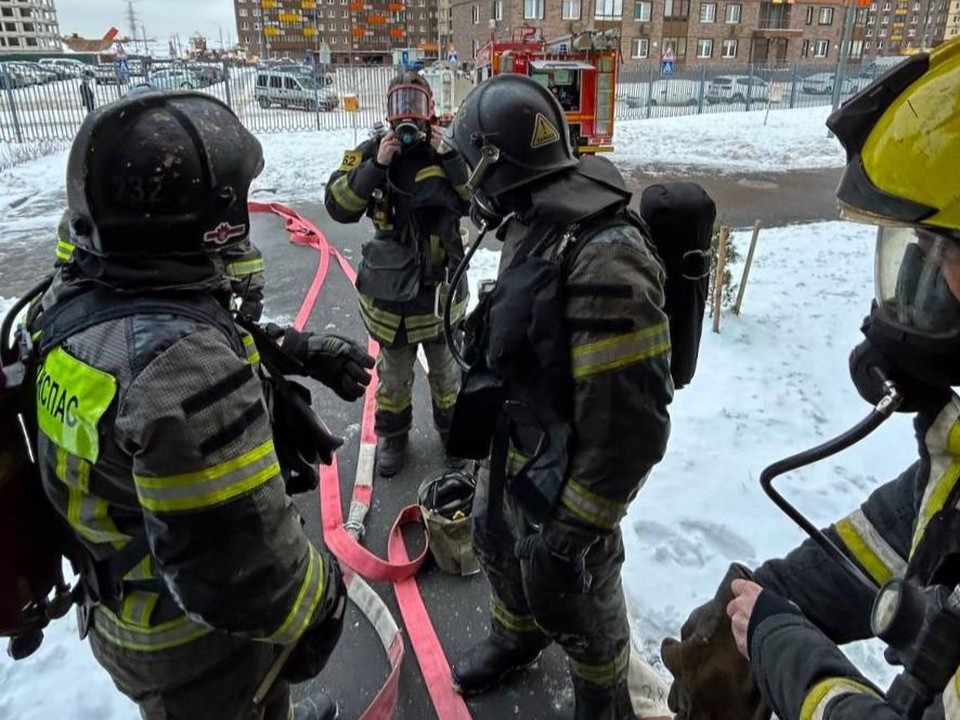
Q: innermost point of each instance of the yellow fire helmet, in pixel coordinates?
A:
(902, 138)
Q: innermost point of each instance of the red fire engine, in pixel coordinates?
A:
(580, 70)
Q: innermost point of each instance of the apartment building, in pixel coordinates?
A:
(29, 26)
(952, 29)
(701, 31)
(902, 27)
(352, 30)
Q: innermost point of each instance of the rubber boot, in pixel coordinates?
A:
(453, 463)
(319, 707)
(593, 702)
(390, 455)
(488, 662)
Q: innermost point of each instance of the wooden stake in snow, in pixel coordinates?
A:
(718, 277)
(746, 267)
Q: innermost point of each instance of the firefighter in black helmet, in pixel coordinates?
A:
(155, 440)
(411, 186)
(586, 368)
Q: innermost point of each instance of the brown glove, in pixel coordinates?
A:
(712, 680)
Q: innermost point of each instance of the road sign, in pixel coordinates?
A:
(666, 67)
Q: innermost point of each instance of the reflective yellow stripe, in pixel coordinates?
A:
(603, 674)
(511, 621)
(944, 470)
(64, 250)
(594, 509)
(620, 350)
(431, 171)
(253, 356)
(138, 607)
(816, 701)
(308, 598)
(345, 196)
(142, 571)
(87, 514)
(245, 267)
(396, 407)
(210, 486)
(515, 461)
(869, 548)
(951, 698)
(444, 402)
(463, 191)
(381, 324)
(146, 639)
(432, 326)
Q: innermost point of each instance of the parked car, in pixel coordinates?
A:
(293, 89)
(106, 74)
(12, 78)
(44, 74)
(174, 78)
(737, 88)
(66, 67)
(822, 83)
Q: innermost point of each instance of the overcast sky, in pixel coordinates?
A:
(161, 18)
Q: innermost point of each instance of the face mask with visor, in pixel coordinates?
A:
(409, 113)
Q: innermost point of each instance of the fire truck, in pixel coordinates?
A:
(579, 69)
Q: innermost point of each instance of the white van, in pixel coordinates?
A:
(292, 89)
(737, 88)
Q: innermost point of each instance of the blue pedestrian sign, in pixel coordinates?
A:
(405, 57)
(668, 61)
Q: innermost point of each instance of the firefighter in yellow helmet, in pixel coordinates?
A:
(769, 640)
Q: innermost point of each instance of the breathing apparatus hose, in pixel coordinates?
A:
(884, 409)
(448, 304)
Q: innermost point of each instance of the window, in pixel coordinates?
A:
(885, 21)
(642, 10)
(533, 9)
(704, 48)
(911, 32)
(276, 81)
(475, 47)
(879, 44)
(820, 48)
(882, 33)
(732, 13)
(31, 42)
(826, 16)
(676, 8)
(677, 44)
(570, 10)
(242, 12)
(639, 48)
(730, 48)
(244, 25)
(809, 14)
(256, 12)
(708, 12)
(866, 45)
(608, 9)
(869, 32)
(6, 12)
(913, 20)
(886, 7)
(256, 26)
(805, 49)
(498, 10)
(28, 27)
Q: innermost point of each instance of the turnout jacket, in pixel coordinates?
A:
(619, 352)
(907, 528)
(155, 428)
(418, 199)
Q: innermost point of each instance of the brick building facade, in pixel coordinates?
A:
(705, 31)
(358, 30)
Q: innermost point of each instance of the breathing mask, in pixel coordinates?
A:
(409, 112)
(915, 320)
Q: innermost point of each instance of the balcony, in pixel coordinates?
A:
(775, 27)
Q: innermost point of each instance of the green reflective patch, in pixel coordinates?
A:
(71, 399)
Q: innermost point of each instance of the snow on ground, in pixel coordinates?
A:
(772, 383)
(730, 142)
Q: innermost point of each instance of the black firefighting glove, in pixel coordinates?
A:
(553, 560)
(315, 646)
(712, 680)
(865, 360)
(337, 362)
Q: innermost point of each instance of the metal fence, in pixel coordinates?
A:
(54, 110)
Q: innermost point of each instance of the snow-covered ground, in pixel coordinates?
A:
(773, 382)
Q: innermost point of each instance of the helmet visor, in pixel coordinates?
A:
(408, 102)
(918, 281)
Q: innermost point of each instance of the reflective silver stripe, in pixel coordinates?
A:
(161, 637)
(592, 508)
(818, 699)
(308, 598)
(603, 674)
(88, 514)
(210, 486)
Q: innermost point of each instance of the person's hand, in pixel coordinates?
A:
(389, 147)
(436, 140)
(338, 362)
(745, 593)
